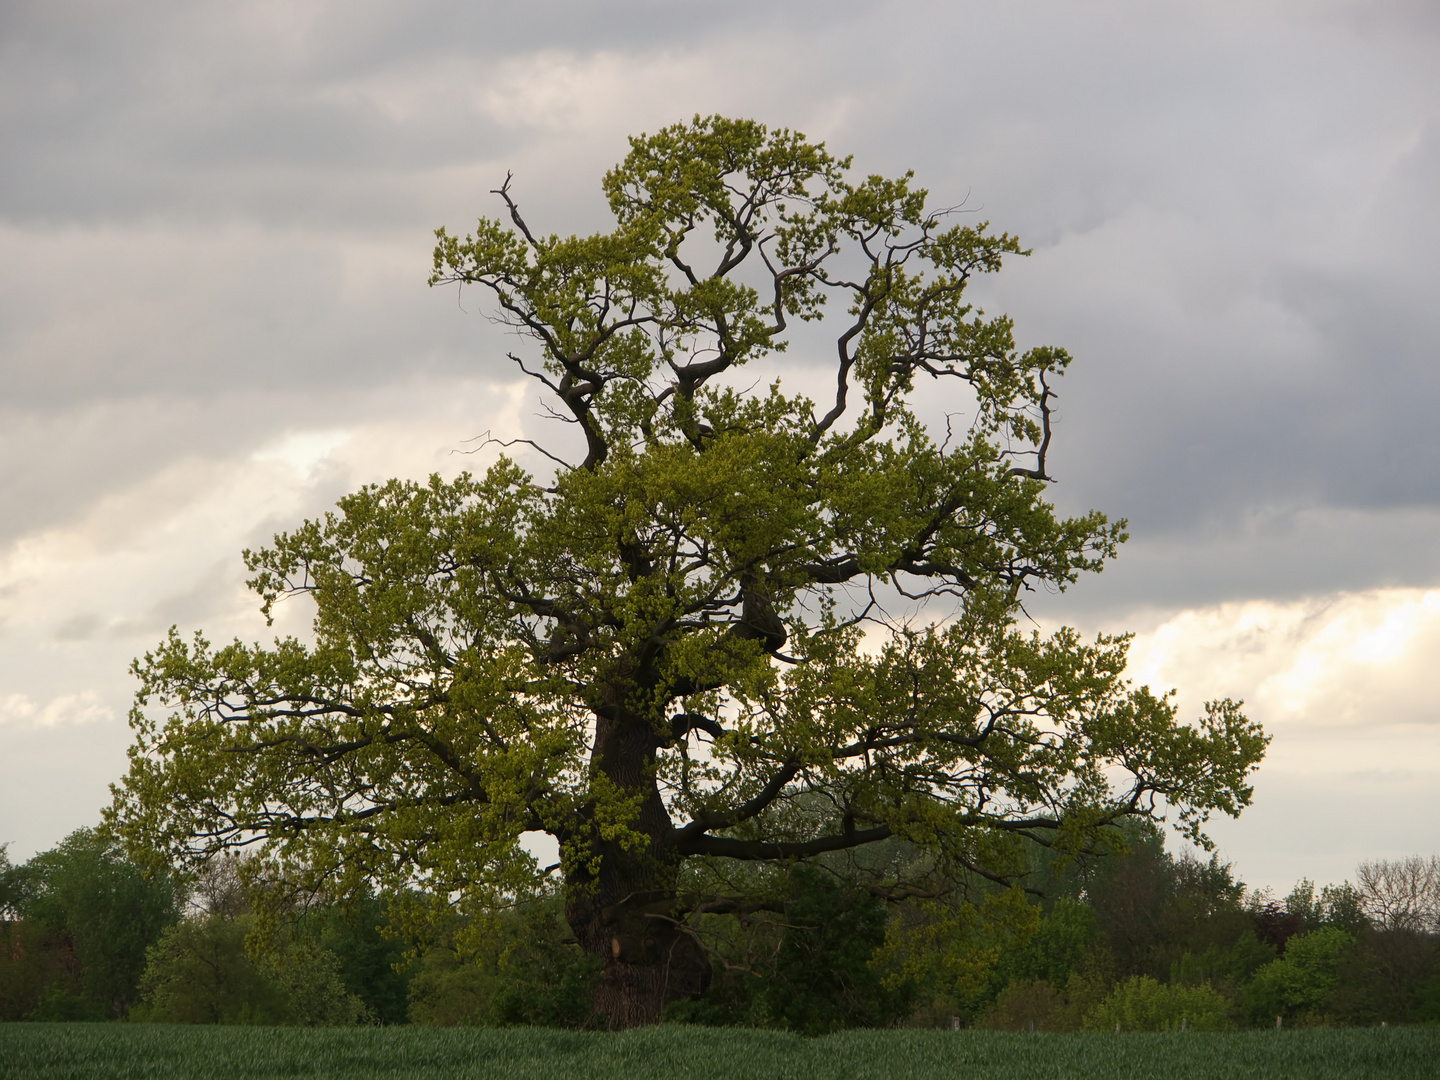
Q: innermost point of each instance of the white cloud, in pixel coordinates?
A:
(1352, 659)
(113, 566)
(84, 707)
(16, 707)
(305, 452)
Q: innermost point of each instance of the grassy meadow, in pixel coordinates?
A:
(161, 1052)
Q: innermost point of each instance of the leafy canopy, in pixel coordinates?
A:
(92, 906)
(728, 604)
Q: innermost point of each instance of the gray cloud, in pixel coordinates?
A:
(307, 112)
(1232, 206)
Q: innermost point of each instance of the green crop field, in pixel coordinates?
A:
(142, 1052)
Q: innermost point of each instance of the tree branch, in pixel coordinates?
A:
(752, 850)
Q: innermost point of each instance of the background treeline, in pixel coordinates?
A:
(1140, 938)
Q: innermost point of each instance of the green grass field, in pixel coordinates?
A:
(142, 1052)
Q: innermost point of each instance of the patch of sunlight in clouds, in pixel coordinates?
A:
(1361, 659)
(621, 94)
(145, 556)
(306, 452)
(1345, 685)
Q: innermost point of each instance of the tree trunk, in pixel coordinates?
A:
(626, 912)
(650, 959)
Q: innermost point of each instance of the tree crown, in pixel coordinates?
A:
(735, 622)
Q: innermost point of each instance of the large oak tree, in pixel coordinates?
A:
(733, 622)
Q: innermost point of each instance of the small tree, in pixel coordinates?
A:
(1401, 894)
(200, 972)
(736, 604)
(98, 913)
(1301, 983)
(9, 886)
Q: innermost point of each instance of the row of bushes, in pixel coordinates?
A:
(1303, 986)
(85, 935)
(1143, 940)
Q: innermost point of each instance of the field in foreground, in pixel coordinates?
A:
(142, 1052)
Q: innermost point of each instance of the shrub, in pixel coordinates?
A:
(87, 916)
(1141, 1003)
(1300, 984)
(527, 971)
(1028, 1005)
(817, 976)
(200, 973)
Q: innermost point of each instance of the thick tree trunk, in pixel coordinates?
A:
(650, 959)
(626, 913)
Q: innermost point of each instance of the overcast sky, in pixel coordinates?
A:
(215, 223)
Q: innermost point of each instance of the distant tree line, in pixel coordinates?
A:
(1140, 938)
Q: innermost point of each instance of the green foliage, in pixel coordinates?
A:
(950, 950)
(1426, 1006)
(1388, 977)
(200, 972)
(60, 1004)
(1299, 985)
(33, 960)
(807, 968)
(1021, 965)
(1064, 941)
(86, 916)
(371, 964)
(9, 886)
(1142, 1004)
(1029, 1005)
(314, 988)
(823, 979)
(1338, 906)
(657, 652)
(1228, 965)
(526, 970)
(1153, 908)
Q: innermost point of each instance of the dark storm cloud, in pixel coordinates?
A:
(1232, 207)
(1304, 370)
(261, 110)
(1236, 235)
(146, 144)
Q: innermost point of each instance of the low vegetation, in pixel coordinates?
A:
(71, 1051)
(1140, 939)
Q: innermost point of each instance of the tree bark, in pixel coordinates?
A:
(626, 912)
(650, 957)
